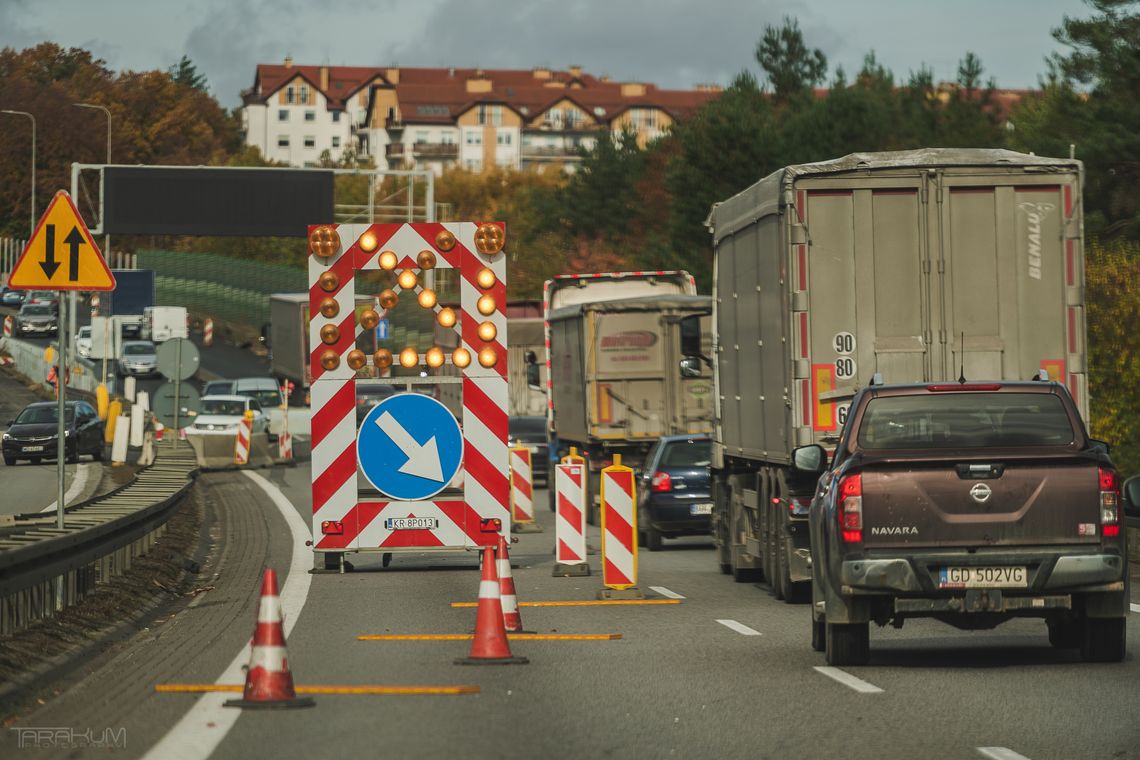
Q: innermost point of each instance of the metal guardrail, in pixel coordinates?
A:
(44, 569)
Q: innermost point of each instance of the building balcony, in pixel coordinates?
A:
(435, 150)
(549, 153)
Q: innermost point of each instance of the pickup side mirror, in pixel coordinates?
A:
(691, 336)
(690, 366)
(809, 460)
(1131, 493)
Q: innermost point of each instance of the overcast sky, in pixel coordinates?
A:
(672, 43)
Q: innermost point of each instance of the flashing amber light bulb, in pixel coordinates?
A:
(444, 241)
(328, 281)
(382, 358)
(368, 242)
(407, 279)
(388, 298)
(330, 334)
(426, 259)
(486, 278)
(427, 298)
(369, 319)
(329, 308)
(486, 305)
(409, 357)
(489, 238)
(446, 317)
(487, 331)
(434, 357)
(488, 357)
(356, 358)
(461, 357)
(329, 359)
(388, 260)
(324, 241)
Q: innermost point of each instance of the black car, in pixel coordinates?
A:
(33, 434)
(531, 432)
(674, 496)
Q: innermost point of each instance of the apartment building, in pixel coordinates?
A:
(435, 118)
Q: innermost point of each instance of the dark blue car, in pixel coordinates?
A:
(674, 496)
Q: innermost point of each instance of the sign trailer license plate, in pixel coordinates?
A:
(33, 448)
(983, 577)
(700, 509)
(411, 523)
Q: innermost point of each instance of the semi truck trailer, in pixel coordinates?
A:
(924, 265)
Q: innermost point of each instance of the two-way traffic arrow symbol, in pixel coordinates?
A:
(73, 240)
(423, 461)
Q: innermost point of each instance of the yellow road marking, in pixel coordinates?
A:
(198, 688)
(470, 636)
(581, 603)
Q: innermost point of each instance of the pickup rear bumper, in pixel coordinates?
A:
(913, 575)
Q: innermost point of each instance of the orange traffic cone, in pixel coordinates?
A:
(268, 682)
(490, 646)
(512, 619)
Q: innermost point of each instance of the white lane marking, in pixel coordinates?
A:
(845, 678)
(1000, 753)
(666, 592)
(1134, 607)
(78, 483)
(740, 628)
(202, 729)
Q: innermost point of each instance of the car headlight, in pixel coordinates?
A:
(7, 437)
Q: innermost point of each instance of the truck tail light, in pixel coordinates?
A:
(661, 482)
(1109, 502)
(332, 528)
(851, 509)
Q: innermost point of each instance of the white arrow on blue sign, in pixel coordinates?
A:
(409, 447)
(382, 330)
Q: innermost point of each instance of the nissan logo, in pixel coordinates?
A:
(980, 493)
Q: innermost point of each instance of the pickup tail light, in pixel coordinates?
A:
(1109, 483)
(851, 509)
(661, 482)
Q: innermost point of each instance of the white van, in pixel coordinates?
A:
(161, 323)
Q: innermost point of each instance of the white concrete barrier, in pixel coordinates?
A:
(122, 435)
(137, 426)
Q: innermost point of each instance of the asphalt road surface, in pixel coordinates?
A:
(727, 673)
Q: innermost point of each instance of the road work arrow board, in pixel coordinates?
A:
(61, 254)
(409, 446)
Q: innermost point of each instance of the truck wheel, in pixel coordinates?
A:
(1064, 634)
(741, 574)
(818, 634)
(848, 643)
(1102, 639)
(652, 538)
(777, 583)
(720, 534)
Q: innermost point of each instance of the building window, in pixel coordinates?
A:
(310, 115)
(289, 94)
(336, 117)
(310, 141)
(447, 138)
(474, 137)
(473, 164)
(282, 141)
(304, 93)
(503, 138)
(490, 114)
(283, 115)
(336, 141)
(421, 136)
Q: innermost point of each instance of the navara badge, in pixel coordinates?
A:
(980, 493)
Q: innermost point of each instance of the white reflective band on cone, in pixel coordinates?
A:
(488, 589)
(271, 658)
(270, 610)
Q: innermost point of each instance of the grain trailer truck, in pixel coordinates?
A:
(922, 265)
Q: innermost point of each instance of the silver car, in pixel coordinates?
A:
(221, 415)
(36, 319)
(138, 357)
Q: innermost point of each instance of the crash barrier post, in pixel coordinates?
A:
(522, 491)
(570, 521)
(208, 333)
(619, 533)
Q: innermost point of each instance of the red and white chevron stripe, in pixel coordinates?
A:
(522, 486)
(619, 528)
(340, 520)
(241, 441)
(570, 517)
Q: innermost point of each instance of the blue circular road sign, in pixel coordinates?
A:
(409, 447)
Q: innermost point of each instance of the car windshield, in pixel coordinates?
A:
(687, 454)
(226, 407)
(264, 397)
(42, 415)
(35, 310)
(528, 428)
(217, 387)
(964, 421)
(138, 349)
(84, 332)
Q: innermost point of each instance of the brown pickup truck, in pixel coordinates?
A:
(971, 503)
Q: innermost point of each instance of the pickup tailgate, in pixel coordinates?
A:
(1008, 502)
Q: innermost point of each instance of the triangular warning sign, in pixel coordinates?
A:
(61, 254)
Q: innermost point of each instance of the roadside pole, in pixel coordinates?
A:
(61, 384)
